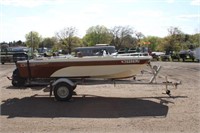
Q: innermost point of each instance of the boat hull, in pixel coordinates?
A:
(96, 67)
(109, 72)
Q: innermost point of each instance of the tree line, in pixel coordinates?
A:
(118, 36)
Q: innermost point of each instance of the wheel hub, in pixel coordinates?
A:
(63, 92)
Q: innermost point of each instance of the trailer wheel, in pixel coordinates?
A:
(17, 81)
(63, 91)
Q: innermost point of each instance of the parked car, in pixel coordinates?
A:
(157, 55)
(165, 57)
(186, 54)
(175, 56)
(19, 56)
(13, 54)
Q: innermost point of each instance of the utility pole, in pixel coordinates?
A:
(31, 45)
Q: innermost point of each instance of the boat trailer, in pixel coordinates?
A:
(63, 88)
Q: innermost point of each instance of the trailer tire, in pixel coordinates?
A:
(63, 91)
(17, 81)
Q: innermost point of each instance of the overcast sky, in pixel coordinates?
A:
(151, 17)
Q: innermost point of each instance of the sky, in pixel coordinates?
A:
(150, 17)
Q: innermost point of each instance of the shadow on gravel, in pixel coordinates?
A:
(83, 107)
(33, 87)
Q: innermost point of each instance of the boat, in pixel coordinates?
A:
(106, 67)
(137, 54)
(64, 73)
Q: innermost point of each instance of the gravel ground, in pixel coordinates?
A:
(106, 108)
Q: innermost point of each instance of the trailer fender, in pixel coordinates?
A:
(65, 80)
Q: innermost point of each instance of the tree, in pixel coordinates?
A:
(139, 36)
(48, 42)
(152, 42)
(175, 41)
(122, 36)
(77, 41)
(174, 31)
(33, 39)
(97, 35)
(194, 39)
(129, 42)
(19, 43)
(66, 37)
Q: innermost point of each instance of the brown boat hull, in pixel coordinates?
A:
(76, 68)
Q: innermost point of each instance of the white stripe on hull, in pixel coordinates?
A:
(107, 71)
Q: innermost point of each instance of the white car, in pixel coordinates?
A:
(197, 54)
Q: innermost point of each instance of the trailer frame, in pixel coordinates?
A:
(72, 83)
